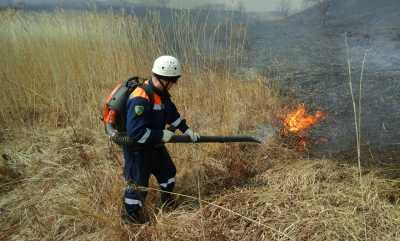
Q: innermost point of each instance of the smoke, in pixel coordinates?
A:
(248, 5)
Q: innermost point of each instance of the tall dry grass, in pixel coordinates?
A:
(62, 178)
(56, 68)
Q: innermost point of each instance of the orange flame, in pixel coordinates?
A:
(298, 121)
(296, 124)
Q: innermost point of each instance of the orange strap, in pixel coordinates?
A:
(140, 92)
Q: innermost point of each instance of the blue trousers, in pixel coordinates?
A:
(139, 165)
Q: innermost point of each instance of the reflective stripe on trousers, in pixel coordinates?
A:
(170, 181)
(130, 201)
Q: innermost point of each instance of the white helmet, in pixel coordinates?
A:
(167, 66)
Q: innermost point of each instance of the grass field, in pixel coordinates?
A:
(61, 178)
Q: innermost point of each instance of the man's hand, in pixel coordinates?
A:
(167, 135)
(193, 135)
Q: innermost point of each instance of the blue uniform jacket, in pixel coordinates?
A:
(146, 121)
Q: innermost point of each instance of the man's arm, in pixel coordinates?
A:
(174, 118)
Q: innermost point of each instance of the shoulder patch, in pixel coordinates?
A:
(139, 109)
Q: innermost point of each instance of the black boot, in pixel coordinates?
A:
(136, 217)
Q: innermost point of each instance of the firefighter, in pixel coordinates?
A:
(149, 110)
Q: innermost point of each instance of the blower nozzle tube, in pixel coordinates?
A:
(124, 140)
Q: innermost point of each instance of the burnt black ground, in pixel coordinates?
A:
(309, 60)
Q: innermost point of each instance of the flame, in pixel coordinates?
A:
(296, 125)
(298, 121)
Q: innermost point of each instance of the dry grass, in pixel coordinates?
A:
(71, 188)
(60, 178)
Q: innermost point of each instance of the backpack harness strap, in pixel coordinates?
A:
(149, 93)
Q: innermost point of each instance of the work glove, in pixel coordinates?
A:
(167, 135)
(193, 135)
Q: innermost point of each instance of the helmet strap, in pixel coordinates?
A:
(163, 85)
(168, 81)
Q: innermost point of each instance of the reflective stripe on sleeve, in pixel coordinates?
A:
(165, 184)
(176, 122)
(145, 136)
(133, 202)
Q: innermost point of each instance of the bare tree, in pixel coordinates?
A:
(323, 8)
(240, 7)
(156, 3)
(213, 6)
(284, 8)
(163, 3)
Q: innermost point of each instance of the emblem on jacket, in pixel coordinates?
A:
(139, 109)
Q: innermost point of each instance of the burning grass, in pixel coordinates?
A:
(295, 126)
